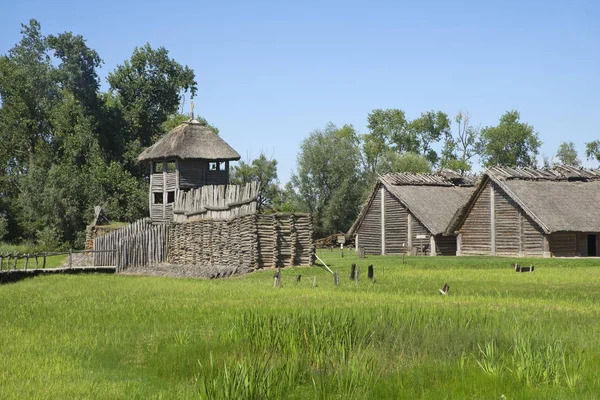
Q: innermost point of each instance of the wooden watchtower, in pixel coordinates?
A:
(190, 156)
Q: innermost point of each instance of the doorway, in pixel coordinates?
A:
(592, 245)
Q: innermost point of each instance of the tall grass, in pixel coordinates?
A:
(496, 333)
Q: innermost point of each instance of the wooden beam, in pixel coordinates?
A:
(356, 243)
(492, 219)
(458, 244)
(546, 253)
(432, 246)
(150, 189)
(521, 234)
(382, 220)
(409, 232)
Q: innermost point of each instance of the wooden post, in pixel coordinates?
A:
(352, 272)
(357, 274)
(315, 281)
(16, 258)
(26, 261)
(36, 260)
(70, 258)
(356, 243)
(371, 273)
(458, 244)
(432, 246)
(44, 265)
(382, 220)
(492, 219)
(1, 259)
(336, 280)
(7, 261)
(409, 226)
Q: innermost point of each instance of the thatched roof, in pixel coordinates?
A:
(190, 140)
(432, 198)
(558, 199)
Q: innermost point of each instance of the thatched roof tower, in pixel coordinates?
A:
(190, 156)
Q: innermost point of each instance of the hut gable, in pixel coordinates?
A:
(405, 210)
(560, 199)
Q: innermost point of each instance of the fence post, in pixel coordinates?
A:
(44, 265)
(70, 258)
(16, 258)
(26, 261)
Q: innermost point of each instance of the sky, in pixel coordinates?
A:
(271, 72)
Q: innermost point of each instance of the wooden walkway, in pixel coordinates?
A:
(15, 275)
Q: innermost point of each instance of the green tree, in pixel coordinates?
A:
(460, 149)
(511, 143)
(406, 162)
(430, 127)
(567, 154)
(328, 182)
(148, 87)
(592, 150)
(261, 170)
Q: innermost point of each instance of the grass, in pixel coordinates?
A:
(524, 336)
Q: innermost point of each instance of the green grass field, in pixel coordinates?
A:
(524, 336)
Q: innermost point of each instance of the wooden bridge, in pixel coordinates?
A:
(9, 272)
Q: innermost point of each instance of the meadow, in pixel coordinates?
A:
(497, 334)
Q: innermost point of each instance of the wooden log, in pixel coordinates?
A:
(371, 273)
(26, 261)
(352, 272)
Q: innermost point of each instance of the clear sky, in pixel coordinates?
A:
(270, 72)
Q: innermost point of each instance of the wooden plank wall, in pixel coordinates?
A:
(563, 244)
(533, 238)
(369, 232)
(476, 230)
(420, 246)
(396, 225)
(191, 173)
(445, 245)
(508, 226)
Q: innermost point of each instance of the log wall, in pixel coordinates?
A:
(369, 231)
(396, 225)
(563, 244)
(420, 246)
(476, 229)
(507, 224)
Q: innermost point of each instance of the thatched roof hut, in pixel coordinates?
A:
(533, 212)
(409, 213)
(190, 140)
(190, 156)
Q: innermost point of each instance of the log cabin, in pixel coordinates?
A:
(529, 212)
(409, 213)
(190, 156)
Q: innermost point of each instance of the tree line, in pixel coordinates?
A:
(66, 146)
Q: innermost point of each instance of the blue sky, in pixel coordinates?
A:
(269, 73)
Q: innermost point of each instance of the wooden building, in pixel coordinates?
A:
(409, 213)
(188, 157)
(528, 212)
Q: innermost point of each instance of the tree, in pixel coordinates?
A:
(148, 90)
(430, 128)
(407, 162)
(260, 170)
(328, 181)
(459, 150)
(592, 150)
(387, 129)
(510, 144)
(567, 154)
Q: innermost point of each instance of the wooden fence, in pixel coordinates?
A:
(136, 245)
(9, 261)
(216, 202)
(249, 242)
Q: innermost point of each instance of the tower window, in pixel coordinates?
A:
(158, 198)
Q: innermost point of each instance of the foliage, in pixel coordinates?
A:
(460, 149)
(328, 181)
(261, 170)
(592, 150)
(567, 154)
(407, 162)
(533, 334)
(430, 127)
(148, 87)
(511, 144)
(65, 146)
